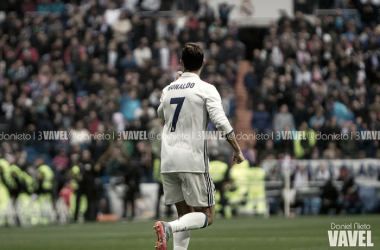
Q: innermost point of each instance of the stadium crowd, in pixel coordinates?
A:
(98, 67)
(93, 68)
(322, 79)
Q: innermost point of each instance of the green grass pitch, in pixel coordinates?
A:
(243, 233)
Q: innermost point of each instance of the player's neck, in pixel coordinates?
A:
(197, 72)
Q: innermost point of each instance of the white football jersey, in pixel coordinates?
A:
(186, 106)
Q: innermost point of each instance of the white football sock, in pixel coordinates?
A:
(181, 240)
(189, 221)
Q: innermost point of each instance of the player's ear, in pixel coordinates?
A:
(182, 65)
(203, 63)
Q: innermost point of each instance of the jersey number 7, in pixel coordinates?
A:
(179, 101)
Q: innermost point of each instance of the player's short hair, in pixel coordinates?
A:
(192, 56)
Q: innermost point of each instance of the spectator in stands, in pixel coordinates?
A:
(329, 198)
(206, 13)
(284, 142)
(28, 6)
(322, 174)
(43, 6)
(228, 102)
(129, 104)
(351, 202)
(300, 113)
(66, 192)
(61, 161)
(228, 51)
(303, 76)
(268, 151)
(87, 186)
(303, 56)
(252, 84)
(282, 20)
(142, 53)
(375, 106)
(132, 178)
(117, 162)
(261, 120)
(7, 107)
(332, 152)
(73, 52)
(57, 7)
(121, 28)
(317, 121)
(303, 144)
(285, 90)
(249, 154)
(300, 22)
(224, 11)
(268, 93)
(192, 21)
(98, 145)
(79, 135)
(180, 22)
(112, 56)
(282, 119)
(93, 122)
(17, 122)
(276, 56)
(275, 174)
(144, 115)
(128, 62)
(351, 146)
(28, 51)
(300, 179)
(369, 13)
(372, 63)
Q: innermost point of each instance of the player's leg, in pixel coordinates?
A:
(160, 193)
(181, 239)
(209, 211)
(190, 218)
(173, 195)
(197, 190)
(183, 208)
(200, 218)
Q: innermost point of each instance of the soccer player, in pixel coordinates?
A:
(187, 104)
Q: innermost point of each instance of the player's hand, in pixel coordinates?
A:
(238, 157)
(179, 73)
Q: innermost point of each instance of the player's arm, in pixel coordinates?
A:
(237, 155)
(218, 117)
(160, 110)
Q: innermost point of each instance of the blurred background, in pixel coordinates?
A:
(98, 68)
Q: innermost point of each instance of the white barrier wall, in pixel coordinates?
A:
(361, 169)
(145, 204)
(365, 171)
(251, 12)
